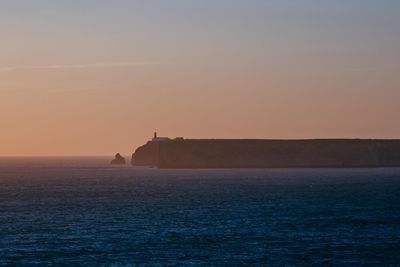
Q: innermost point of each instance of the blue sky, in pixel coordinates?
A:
(246, 27)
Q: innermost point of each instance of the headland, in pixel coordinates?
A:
(254, 153)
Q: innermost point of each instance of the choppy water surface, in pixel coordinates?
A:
(84, 212)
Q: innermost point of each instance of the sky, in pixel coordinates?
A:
(85, 77)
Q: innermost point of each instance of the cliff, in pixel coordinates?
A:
(318, 153)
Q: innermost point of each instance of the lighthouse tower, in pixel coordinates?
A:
(159, 139)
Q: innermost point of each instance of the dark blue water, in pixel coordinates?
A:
(83, 212)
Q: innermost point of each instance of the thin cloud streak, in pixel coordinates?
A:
(361, 69)
(82, 66)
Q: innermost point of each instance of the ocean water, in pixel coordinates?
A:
(83, 212)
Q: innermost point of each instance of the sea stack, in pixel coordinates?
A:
(119, 160)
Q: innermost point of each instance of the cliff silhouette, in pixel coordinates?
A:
(317, 153)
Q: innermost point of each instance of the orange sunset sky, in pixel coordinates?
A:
(99, 77)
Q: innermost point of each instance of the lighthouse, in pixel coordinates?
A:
(159, 139)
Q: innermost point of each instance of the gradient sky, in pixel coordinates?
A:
(83, 77)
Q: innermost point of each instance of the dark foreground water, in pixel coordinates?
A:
(82, 212)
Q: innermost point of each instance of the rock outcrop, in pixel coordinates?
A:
(119, 160)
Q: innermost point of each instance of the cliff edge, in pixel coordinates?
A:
(316, 153)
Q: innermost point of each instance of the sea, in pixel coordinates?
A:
(84, 212)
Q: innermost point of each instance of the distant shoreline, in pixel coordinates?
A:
(258, 153)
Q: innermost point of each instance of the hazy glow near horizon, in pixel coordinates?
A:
(98, 77)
